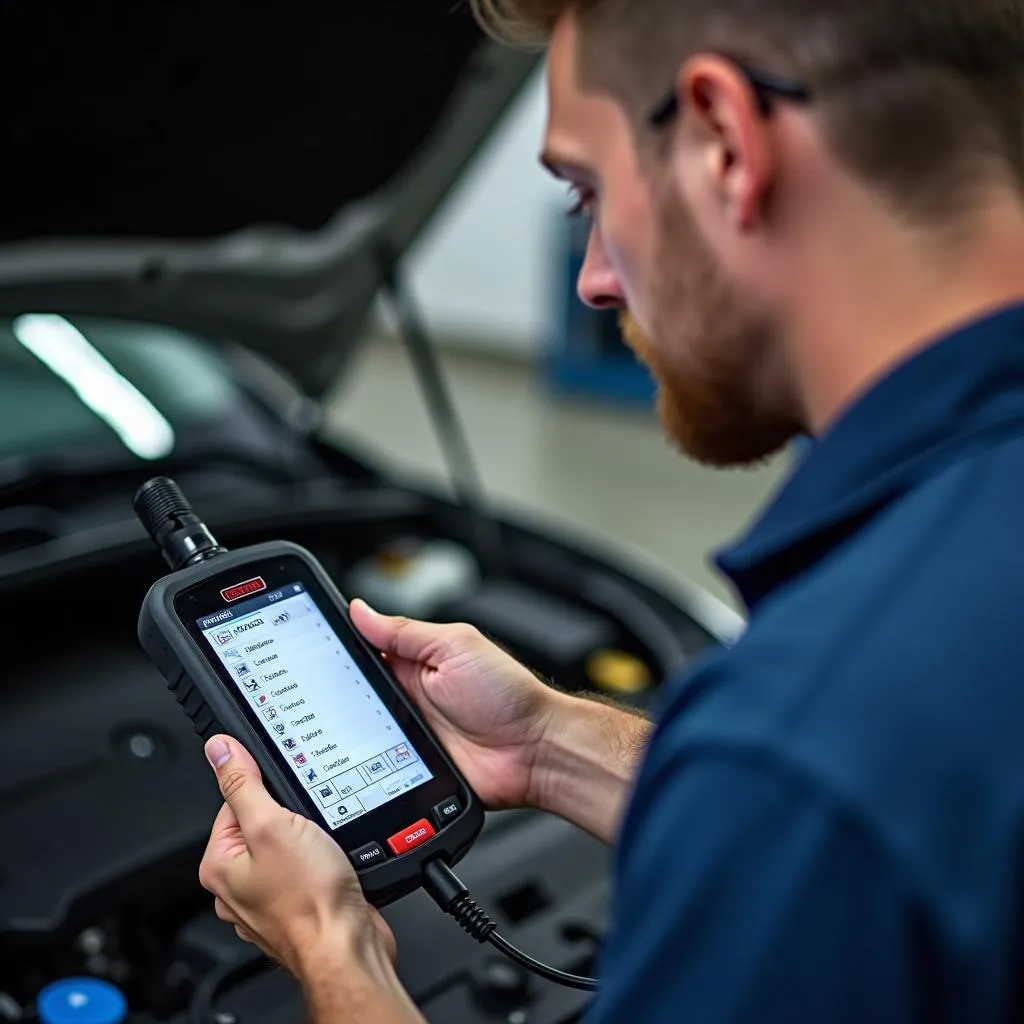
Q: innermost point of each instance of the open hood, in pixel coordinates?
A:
(248, 172)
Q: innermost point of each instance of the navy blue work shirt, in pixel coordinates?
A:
(829, 824)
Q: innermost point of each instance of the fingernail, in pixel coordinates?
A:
(217, 752)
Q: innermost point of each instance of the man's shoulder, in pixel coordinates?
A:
(891, 676)
(921, 607)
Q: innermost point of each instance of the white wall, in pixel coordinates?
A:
(488, 269)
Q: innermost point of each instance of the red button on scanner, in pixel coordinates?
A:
(411, 837)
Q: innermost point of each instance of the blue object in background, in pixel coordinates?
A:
(81, 1001)
(588, 356)
(801, 447)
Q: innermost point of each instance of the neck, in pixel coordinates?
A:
(890, 293)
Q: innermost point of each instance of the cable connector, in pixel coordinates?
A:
(448, 892)
(445, 888)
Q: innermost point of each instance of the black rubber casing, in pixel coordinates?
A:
(203, 696)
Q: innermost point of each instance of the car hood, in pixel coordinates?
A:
(252, 173)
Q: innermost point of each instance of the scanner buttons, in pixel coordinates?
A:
(367, 856)
(447, 811)
(409, 838)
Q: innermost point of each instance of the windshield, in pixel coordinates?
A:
(107, 386)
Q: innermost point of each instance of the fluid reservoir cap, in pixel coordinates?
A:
(618, 672)
(81, 1001)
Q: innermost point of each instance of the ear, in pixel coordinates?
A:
(733, 135)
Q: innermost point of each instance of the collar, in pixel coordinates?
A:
(959, 391)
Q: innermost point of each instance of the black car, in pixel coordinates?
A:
(202, 205)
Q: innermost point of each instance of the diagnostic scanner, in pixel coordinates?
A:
(257, 643)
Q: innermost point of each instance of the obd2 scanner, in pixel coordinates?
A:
(257, 644)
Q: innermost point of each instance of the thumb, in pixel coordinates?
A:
(404, 638)
(240, 781)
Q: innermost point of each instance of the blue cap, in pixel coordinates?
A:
(81, 1001)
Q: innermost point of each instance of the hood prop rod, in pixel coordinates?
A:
(488, 542)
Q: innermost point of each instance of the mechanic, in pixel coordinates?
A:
(810, 214)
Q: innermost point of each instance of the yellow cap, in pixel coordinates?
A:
(395, 559)
(618, 672)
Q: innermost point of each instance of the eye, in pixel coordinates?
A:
(582, 200)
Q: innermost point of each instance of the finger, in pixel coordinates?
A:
(240, 782)
(225, 826)
(224, 912)
(225, 841)
(404, 638)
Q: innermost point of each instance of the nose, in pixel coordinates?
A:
(598, 286)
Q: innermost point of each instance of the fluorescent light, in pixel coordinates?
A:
(59, 344)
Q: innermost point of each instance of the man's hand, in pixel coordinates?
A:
(519, 742)
(287, 887)
(489, 712)
(278, 877)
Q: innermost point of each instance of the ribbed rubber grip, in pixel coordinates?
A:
(185, 692)
(192, 703)
(158, 502)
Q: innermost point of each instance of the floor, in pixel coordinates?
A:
(600, 469)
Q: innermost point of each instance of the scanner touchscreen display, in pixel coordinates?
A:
(314, 704)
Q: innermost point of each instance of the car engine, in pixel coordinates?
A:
(106, 805)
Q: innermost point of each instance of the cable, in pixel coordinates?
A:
(447, 891)
(466, 480)
(576, 981)
(203, 1005)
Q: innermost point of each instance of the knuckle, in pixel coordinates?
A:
(232, 782)
(208, 875)
(454, 640)
(263, 831)
(465, 635)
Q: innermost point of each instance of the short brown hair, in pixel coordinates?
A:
(924, 99)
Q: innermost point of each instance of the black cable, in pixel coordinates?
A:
(203, 1005)
(448, 892)
(488, 541)
(577, 981)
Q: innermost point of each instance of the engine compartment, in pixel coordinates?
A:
(106, 801)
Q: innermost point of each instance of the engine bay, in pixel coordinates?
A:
(106, 801)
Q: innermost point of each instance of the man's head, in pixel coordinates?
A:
(745, 161)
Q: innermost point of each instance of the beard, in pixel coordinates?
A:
(708, 351)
